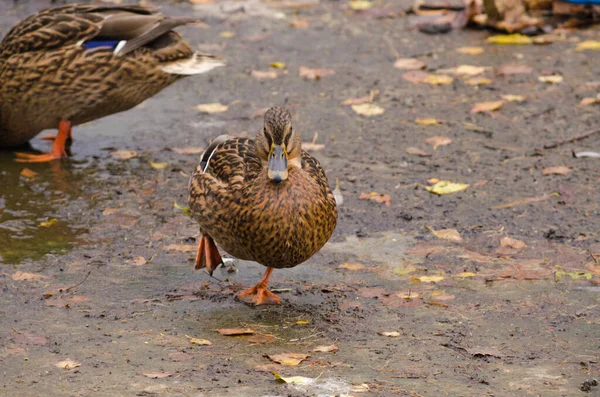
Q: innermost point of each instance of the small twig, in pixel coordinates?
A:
(596, 260)
(79, 283)
(392, 49)
(571, 140)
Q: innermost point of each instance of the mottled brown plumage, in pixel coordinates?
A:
(252, 217)
(49, 74)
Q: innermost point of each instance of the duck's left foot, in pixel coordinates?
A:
(59, 149)
(37, 158)
(260, 294)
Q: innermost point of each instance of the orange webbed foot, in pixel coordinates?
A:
(259, 295)
(37, 158)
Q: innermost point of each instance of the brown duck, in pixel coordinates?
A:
(72, 64)
(264, 200)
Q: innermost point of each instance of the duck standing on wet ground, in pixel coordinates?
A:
(72, 64)
(264, 200)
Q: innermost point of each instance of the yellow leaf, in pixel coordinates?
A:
(446, 234)
(464, 275)
(427, 279)
(390, 334)
(513, 98)
(227, 34)
(368, 109)
(438, 141)
(464, 70)
(49, 222)
(158, 166)
(409, 64)
(290, 359)
(432, 181)
(123, 154)
(277, 65)
(183, 208)
(478, 81)
(438, 79)
(27, 173)
(588, 45)
(303, 322)
(212, 108)
(360, 4)
(552, 79)
(486, 106)
(428, 121)
(202, 342)
(515, 38)
(446, 187)
(404, 270)
(295, 380)
(470, 50)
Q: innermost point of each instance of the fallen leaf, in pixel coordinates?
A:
(24, 276)
(157, 375)
(68, 364)
(378, 197)
(271, 74)
(417, 152)
(415, 76)
(428, 121)
(524, 201)
(427, 279)
(138, 261)
(27, 173)
(438, 141)
(446, 187)
(277, 65)
(352, 266)
(482, 107)
(514, 69)
(478, 81)
(201, 342)
(512, 243)
(368, 109)
(409, 64)
(359, 5)
(560, 272)
(299, 24)
(584, 102)
(588, 45)
(404, 270)
(515, 38)
(557, 170)
(290, 359)
(212, 108)
(464, 70)
(123, 154)
(470, 50)
(357, 101)
(551, 79)
(326, 349)
(434, 303)
(438, 79)
(158, 166)
(261, 338)
(464, 275)
(181, 247)
(49, 222)
(484, 351)
(433, 181)
(446, 234)
(180, 356)
(180, 207)
(389, 334)
(294, 380)
(235, 331)
(360, 388)
(513, 98)
(314, 74)
(227, 34)
(187, 150)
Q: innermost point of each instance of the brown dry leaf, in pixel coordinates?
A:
(482, 107)
(180, 356)
(464, 70)
(357, 101)
(352, 266)
(446, 234)
(389, 334)
(299, 24)
(181, 247)
(326, 349)
(557, 170)
(68, 364)
(271, 74)
(157, 375)
(212, 108)
(415, 76)
(438, 141)
(551, 79)
(417, 152)
(314, 74)
(478, 81)
(123, 154)
(188, 150)
(524, 201)
(409, 64)
(24, 276)
(27, 173)
(428, 121)
(138, 261)
(368, 109)
(513, 98)
(235, 331)
(438, 79)
(512, 243)
(378, 197)
(584, 102)
(201, 342)
(261, 338)
(470, 50)
(514, 69)
(290, 359)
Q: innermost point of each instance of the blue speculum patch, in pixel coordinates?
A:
(88, 45)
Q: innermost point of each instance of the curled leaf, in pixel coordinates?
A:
(513, 98)
(277, 65)
(389, 334)
(486, 106)
(515, 38)
(368, 109)
(27, 173)
(201, 342)
(409, 64)
(470, 50)
(290, 359)
(551, 79)
(588, 45)
(446, 187)
(446, 234)
(159, 166)
(557, 170)
(428, 121)
(295, 380)
(212, 108)
(49, 222)
(438, 79)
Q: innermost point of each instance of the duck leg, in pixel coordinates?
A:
(259, 294)
(58, 147)
(208, 255)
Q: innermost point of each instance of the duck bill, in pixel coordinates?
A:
(278, 165)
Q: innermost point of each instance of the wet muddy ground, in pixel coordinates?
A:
(99, 296)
